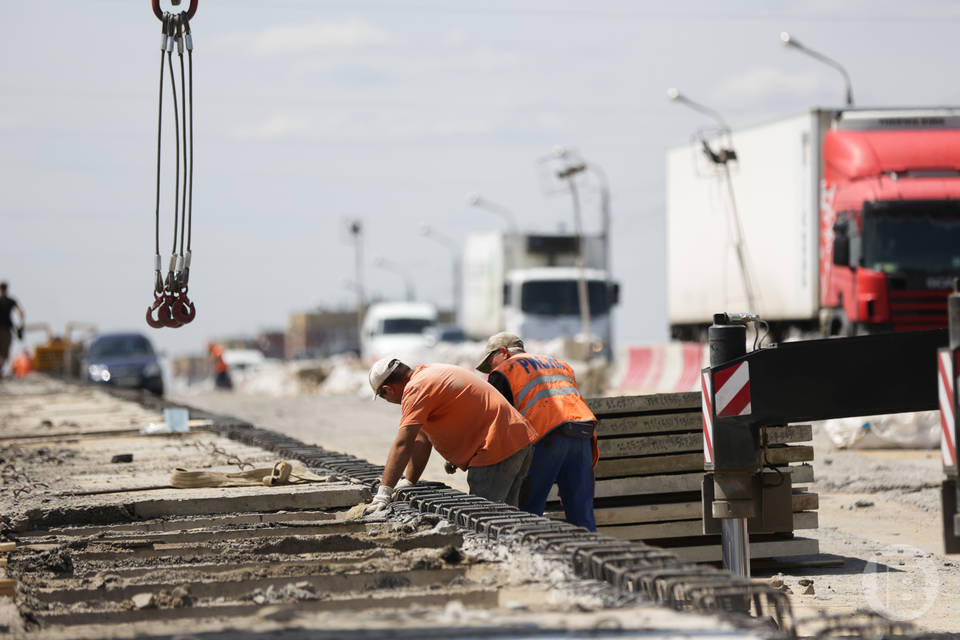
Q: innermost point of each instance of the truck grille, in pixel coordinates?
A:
(918, 310)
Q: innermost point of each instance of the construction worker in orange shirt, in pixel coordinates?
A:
(220, 368)
(450, 409)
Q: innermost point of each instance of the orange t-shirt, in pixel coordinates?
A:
(467, 420)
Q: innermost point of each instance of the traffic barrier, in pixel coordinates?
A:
(673, 367)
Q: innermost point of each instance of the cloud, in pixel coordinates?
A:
(275, 127)
(766, 83)
(294, 39)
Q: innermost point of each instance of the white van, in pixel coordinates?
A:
(396, 329)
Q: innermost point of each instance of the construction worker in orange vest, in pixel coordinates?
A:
(220, 368)
(545, 392)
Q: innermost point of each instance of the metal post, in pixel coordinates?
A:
(729, 341)
(356, 228)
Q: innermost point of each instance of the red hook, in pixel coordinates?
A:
(166, 313)
(183, 309)
(156, 8)
(156, 323)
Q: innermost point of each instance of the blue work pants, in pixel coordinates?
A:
(568, 462)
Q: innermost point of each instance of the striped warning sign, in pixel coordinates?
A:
(707, 406)
(733, 390)
(946, 387)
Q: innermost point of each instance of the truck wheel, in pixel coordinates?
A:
(839, 325)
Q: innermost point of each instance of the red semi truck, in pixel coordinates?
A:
(838, 221)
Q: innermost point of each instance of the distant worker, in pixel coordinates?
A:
(7, 328)
(220, 368)
(22, 364)
(545, 392)
(450, 409)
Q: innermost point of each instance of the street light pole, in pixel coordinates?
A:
(395, 267)
(476, 200)
(723, 157)
(791, 42)
(569, 174)
(451, 244)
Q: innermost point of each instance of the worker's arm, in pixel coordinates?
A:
(499, 382)
(19, 310)
(419, 457)
(400, 454)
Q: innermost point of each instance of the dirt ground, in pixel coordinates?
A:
(879, 510)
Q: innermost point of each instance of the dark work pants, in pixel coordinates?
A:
(501, 482)
(568, 462)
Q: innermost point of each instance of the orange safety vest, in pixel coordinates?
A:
(545, 392)
(219, 366)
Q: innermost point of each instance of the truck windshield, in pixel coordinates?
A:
(903, 237)
(406, 325)
(559, 297)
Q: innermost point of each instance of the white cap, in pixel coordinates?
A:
(380, 371)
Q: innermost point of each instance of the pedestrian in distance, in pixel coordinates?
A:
(7, 306)
(544, 390)
(220, 369)
(452, 410)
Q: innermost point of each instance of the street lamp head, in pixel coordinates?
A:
(787, 40)
(673, 94)
(559, 151)
(473, 198)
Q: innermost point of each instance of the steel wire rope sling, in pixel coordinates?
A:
(171, 304)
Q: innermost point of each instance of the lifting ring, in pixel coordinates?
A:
(190, 11)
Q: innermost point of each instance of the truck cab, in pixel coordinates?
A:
(890, 220)
(544, 303)
(528, 284)
(397, 330)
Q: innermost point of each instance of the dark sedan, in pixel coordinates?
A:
(124, 360)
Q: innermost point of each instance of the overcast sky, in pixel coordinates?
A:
(311, 113)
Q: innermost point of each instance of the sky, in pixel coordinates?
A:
(310, 114)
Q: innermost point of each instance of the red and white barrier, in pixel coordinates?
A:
(662, 368)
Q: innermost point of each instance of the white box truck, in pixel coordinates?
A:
(527, 284)
(849, 222)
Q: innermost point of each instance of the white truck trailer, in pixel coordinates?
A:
(528, 284)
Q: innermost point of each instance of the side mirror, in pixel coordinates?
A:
(614, 292)
(841, 250)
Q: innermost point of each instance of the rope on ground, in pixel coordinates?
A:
(281, 473)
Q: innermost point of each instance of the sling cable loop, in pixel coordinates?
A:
(172, 306)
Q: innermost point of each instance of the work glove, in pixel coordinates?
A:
(404, 483)
(380, 501)
(449, 467)
(19, 333)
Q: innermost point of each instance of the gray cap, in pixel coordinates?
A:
(496, 341)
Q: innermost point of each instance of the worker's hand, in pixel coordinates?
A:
(380, 501)
(19, 333)
(403, 484)
(449, 467)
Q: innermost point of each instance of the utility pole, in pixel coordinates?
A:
(451, 244)
(569, 174)
(356, 230)
(723, 157)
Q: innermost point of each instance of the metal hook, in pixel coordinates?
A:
(166, 313)
(183, 309)
(156, 323)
